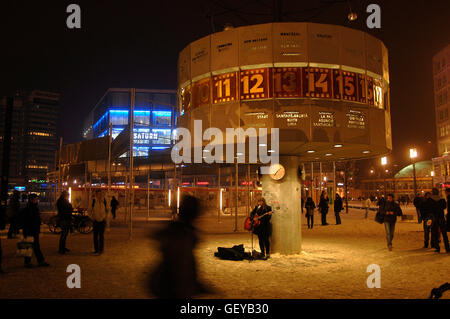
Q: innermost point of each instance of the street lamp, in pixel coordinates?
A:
(384, 163)
(413, 155)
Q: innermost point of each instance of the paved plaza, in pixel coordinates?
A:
(333, 263)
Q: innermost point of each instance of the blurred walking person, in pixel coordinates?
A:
(323, 207)
(99, 215)
(177, 243)
(310, 206)
(338, 207)
(439, 226)
(390, 211)
(65, 210)
(13, 214)
(30, 219)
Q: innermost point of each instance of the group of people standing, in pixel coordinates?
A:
(323, 208)
(29, 220)
(431, 212)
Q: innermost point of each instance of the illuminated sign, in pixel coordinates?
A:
(224, 88)
(317, 82)
(144, 137)
(20, 188)
(200, 92)
(287, 82)
(254, 84)
(284, 82)
(326, 119)
(356, 119)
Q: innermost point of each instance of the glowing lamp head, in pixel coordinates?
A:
(384, 160)
(412, 153)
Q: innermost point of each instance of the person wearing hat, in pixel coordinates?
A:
(64, 218)
(31, 223)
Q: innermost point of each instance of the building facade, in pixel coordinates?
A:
(154, 118)
(401, 184)
(33, 138)
(441, 77)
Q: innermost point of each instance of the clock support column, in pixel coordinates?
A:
(284, 197)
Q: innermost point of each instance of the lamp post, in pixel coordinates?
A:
(384, 163)
(413, 155)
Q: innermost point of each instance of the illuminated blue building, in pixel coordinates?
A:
(154, 118)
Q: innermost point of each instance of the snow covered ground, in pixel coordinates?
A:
(333, 263)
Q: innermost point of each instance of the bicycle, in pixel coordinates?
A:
(79, 221)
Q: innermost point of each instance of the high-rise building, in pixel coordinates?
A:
(33, 137)
(154, 118)
(441, 76)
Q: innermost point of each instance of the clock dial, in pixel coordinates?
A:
(279, 172)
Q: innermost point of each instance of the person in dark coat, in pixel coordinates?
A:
(31, 223)
(64, 219)
(390, 212)
(417, 202)
(439, 226)
(338, 207)
(176, 275)
(263, 213)
(310, 206)
(14, 208)
(426, 215)
(323, 207)
(114, 204)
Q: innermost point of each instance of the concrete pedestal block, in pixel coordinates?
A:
(284, 197)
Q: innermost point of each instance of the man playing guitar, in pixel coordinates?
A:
(260, 217)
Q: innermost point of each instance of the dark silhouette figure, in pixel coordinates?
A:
(64, 219)
(114, 204)
(31, 221)
(426, 215)
(14, 208)
(439, 226)
(310, 206)
(338, 207)
(176, 275)
(323, 207)
(261, 215)
(417, 202)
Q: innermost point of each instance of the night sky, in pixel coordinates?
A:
(136, 44)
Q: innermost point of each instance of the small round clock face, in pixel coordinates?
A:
(279, 172)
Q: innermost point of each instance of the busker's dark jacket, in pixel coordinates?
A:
(65, 209)
(31, 220)
(391, 207)
(338, 205)
(264, 227)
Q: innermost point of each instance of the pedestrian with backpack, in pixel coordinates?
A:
(98, 214)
